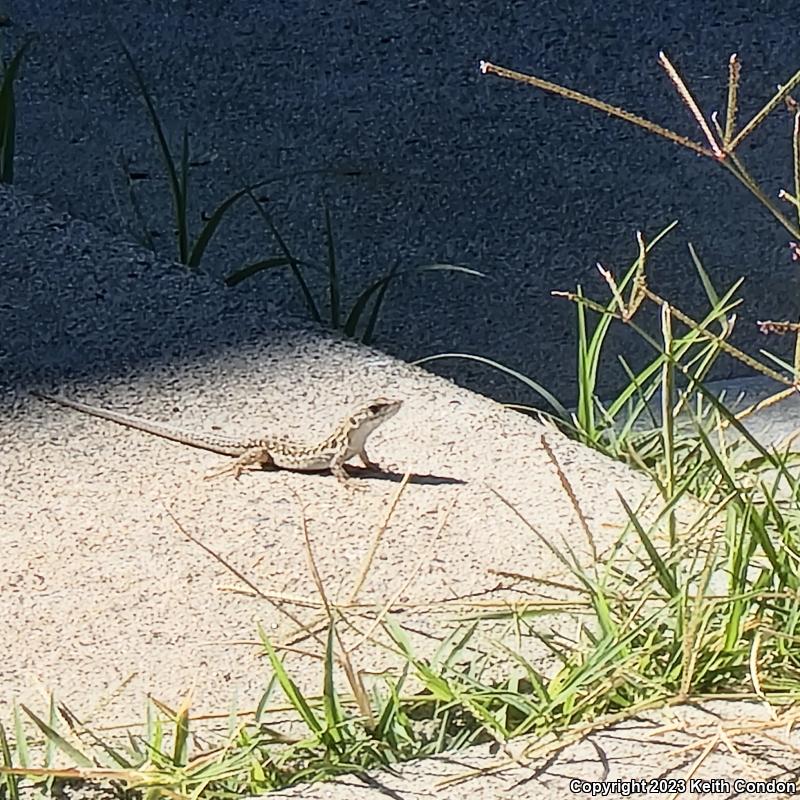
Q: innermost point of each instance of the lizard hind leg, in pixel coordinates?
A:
(258, 457)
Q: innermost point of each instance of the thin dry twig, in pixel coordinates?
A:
(424, 556)
(343, 657)
(368, 558)
(732, 106)
(278, 605)
(687, 98)
(567, 487)
(487, 67)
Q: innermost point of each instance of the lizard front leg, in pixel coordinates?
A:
(367, 461)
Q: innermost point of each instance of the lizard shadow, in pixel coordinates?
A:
(366, 475)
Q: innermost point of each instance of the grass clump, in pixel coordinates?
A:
(361, 319)
(721, 141)
(8, 114)
(190, 251)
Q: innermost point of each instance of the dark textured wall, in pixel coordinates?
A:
(452, 165)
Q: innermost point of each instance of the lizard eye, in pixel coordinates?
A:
(376, 408)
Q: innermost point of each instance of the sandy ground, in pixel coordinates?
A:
(128, 576)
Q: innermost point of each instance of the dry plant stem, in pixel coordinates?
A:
(723, 345)
(796, 170)
(280, 597)
(796, 159)
(724, 155)
(625, 316)
(667, 427)
(541, 581)
(753, 664)
(708, 744)
(540, 749)
(353, 677)
(734, 165)
(279, 606)
(567, 487)
(687, 97)
(779, 97)
(770, 326)
(732, 106)
(696, 622)
(74, 774)
(735, 753)
(368, 636)
(578, 97)
(790, 198)
(700, 760)
(314, 624)
(627, 310)
(766, 402)
(746, 728)
(367, 562)
(528, 524)
(104, 702)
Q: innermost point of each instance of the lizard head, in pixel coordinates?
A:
(368, 417)
(381, 407)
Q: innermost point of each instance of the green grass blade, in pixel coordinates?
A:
(379, 289)
(178, 200)
(372, 320)
(115, 755)
(258, 266)
(586, 406)
(708, 287)
(56, 739)
(354, 317)
(261, 708)
(446, 268)
(11, 781)
(290, 689)
(531, 384)
(294, 264)
(665, 576)
(183, 194)
(612, 306)
(334, 716)
(784, 90)
(180, 748)
(50, 748)
(741, 547)
(210, 228)
(682, 347)
(437, 685)
(8, 115)
(387, 725)
(21, 739)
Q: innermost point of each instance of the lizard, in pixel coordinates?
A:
(348, 439)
